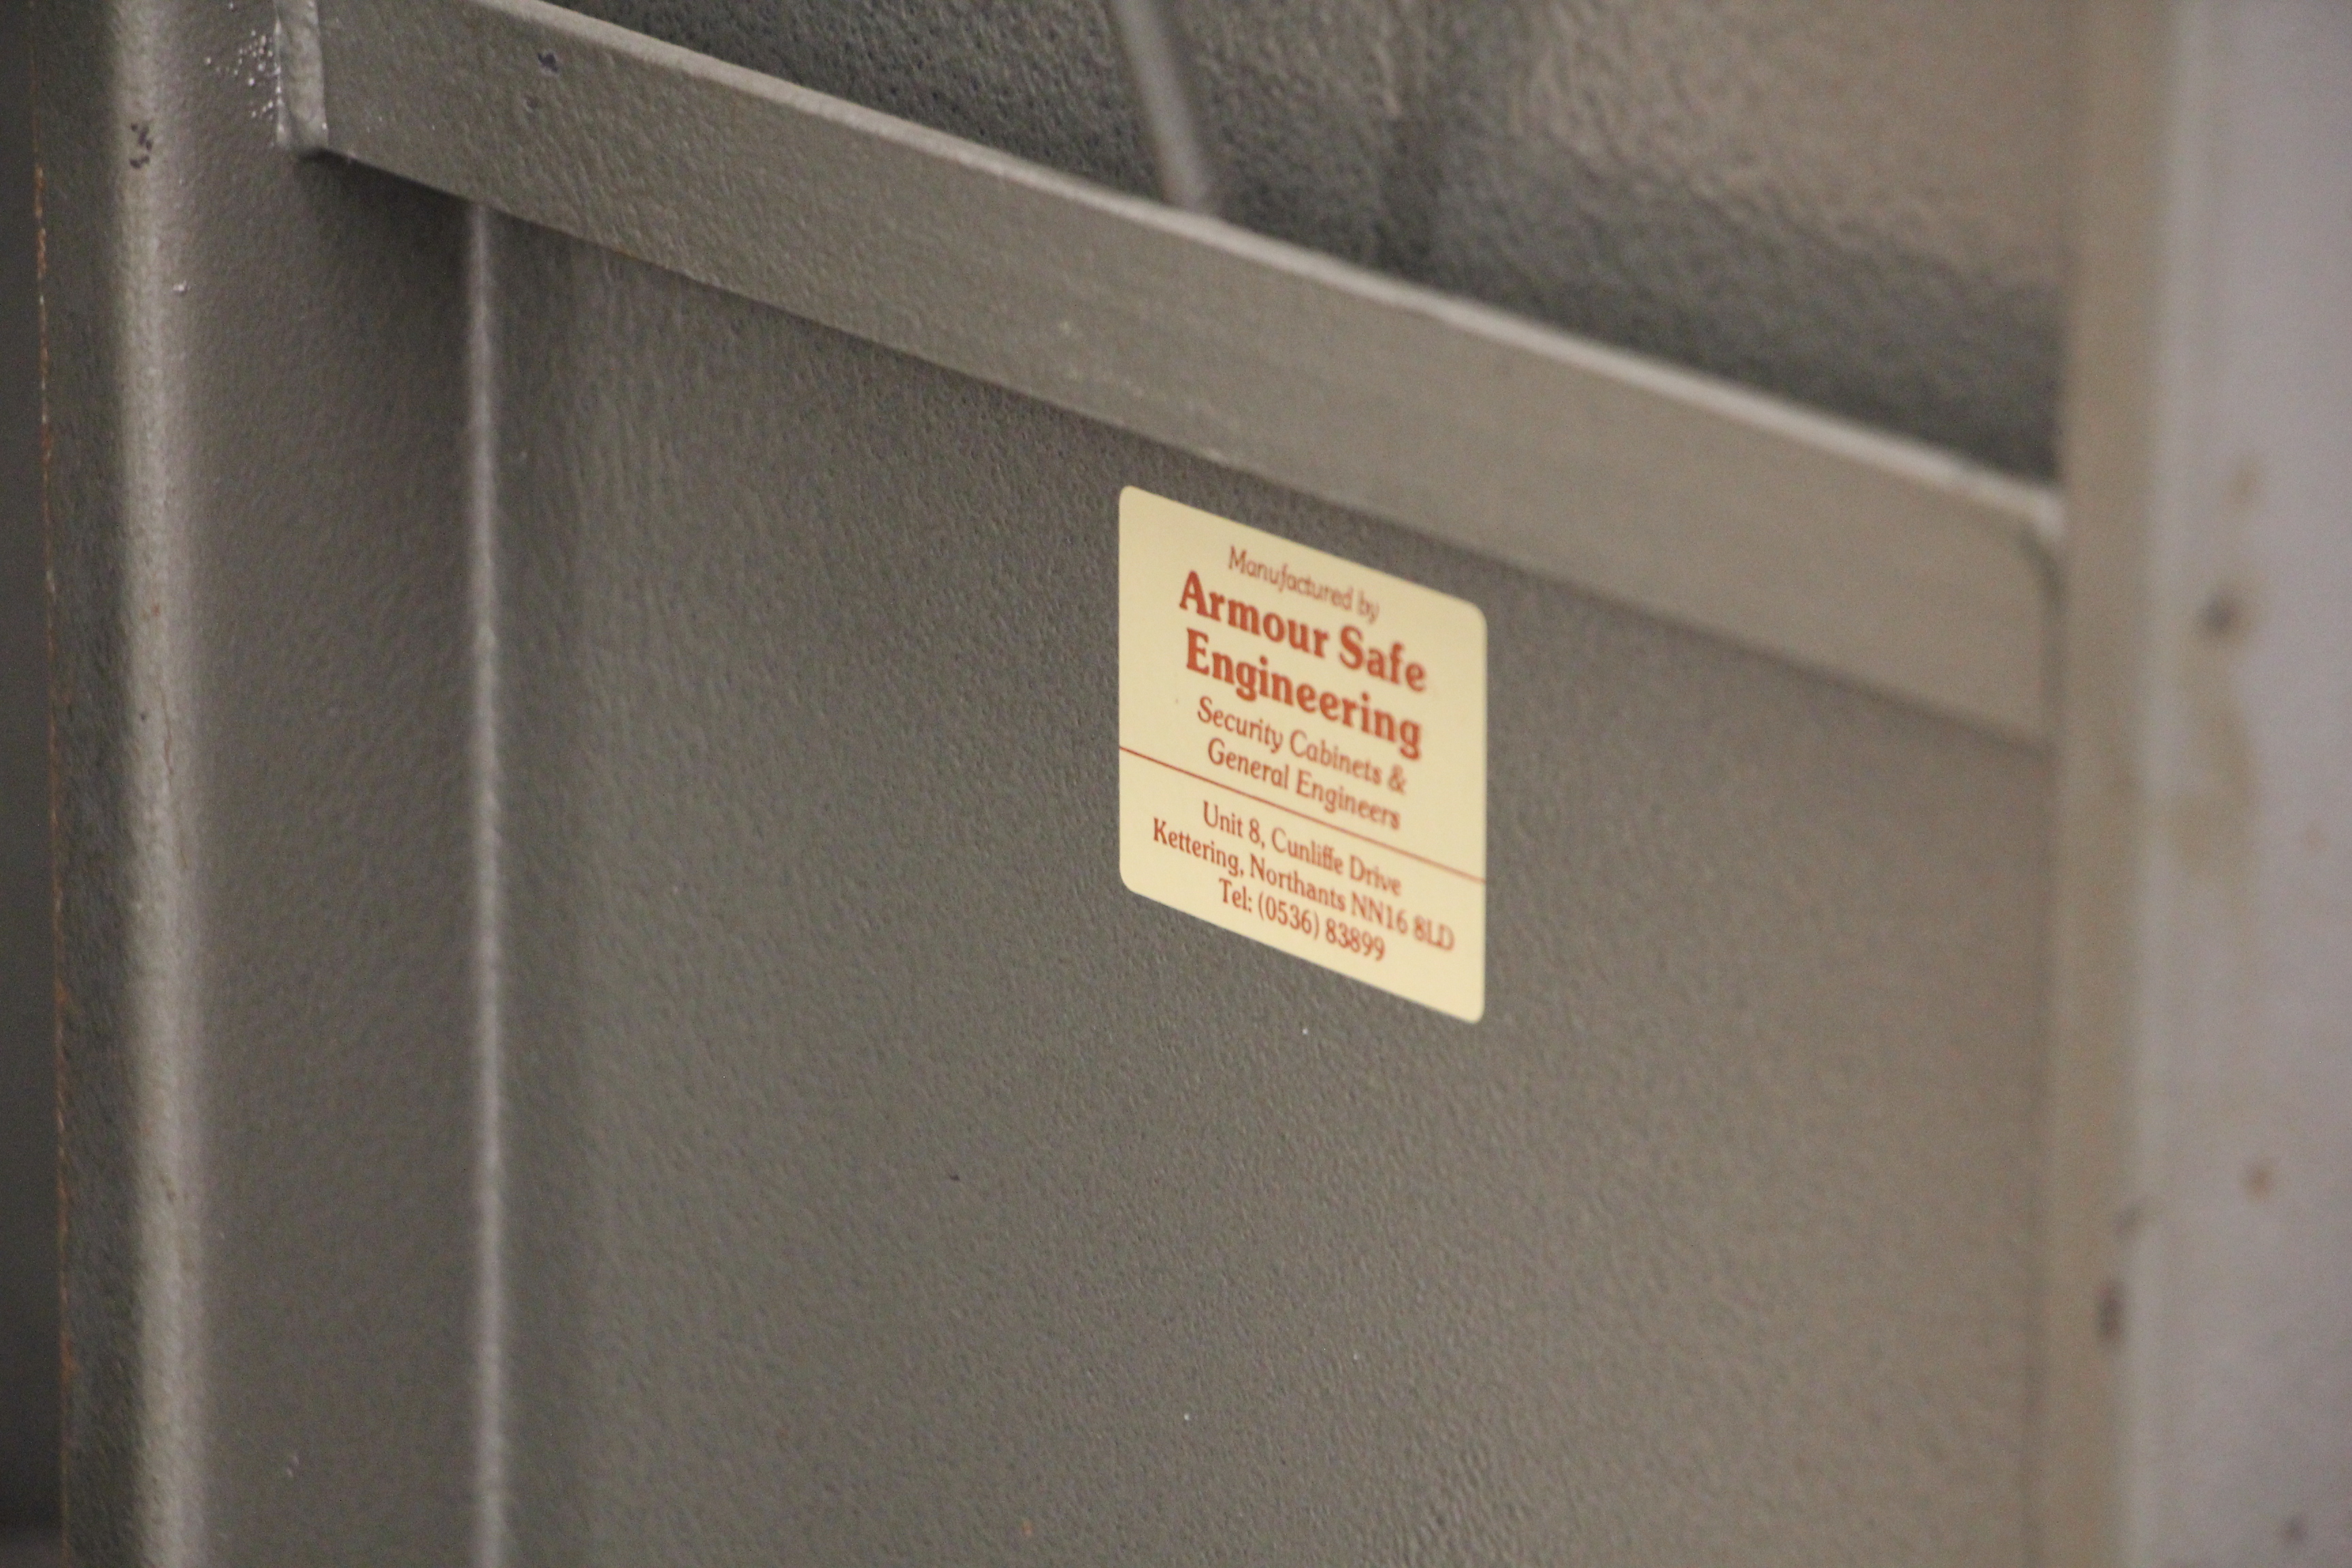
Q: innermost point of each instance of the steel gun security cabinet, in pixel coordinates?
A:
(632, 992)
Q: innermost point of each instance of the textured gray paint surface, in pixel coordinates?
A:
(28, 1138)
(892, 1185)
(31, 1549)
(1856, 204)
(881, 1180)
(1902, 566)
(255, 379)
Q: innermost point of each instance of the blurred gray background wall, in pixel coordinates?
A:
(28, 1223)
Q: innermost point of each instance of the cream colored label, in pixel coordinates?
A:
(1303, 751)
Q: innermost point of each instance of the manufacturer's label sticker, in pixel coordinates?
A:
(1303, 751)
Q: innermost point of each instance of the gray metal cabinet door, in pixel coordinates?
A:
(606, 1023)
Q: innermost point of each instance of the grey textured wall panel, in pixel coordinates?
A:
(1859, 204)
(892, 1185)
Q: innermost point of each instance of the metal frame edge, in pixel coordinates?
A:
(1882, 562)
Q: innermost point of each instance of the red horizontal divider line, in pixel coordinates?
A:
(1317, 821)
